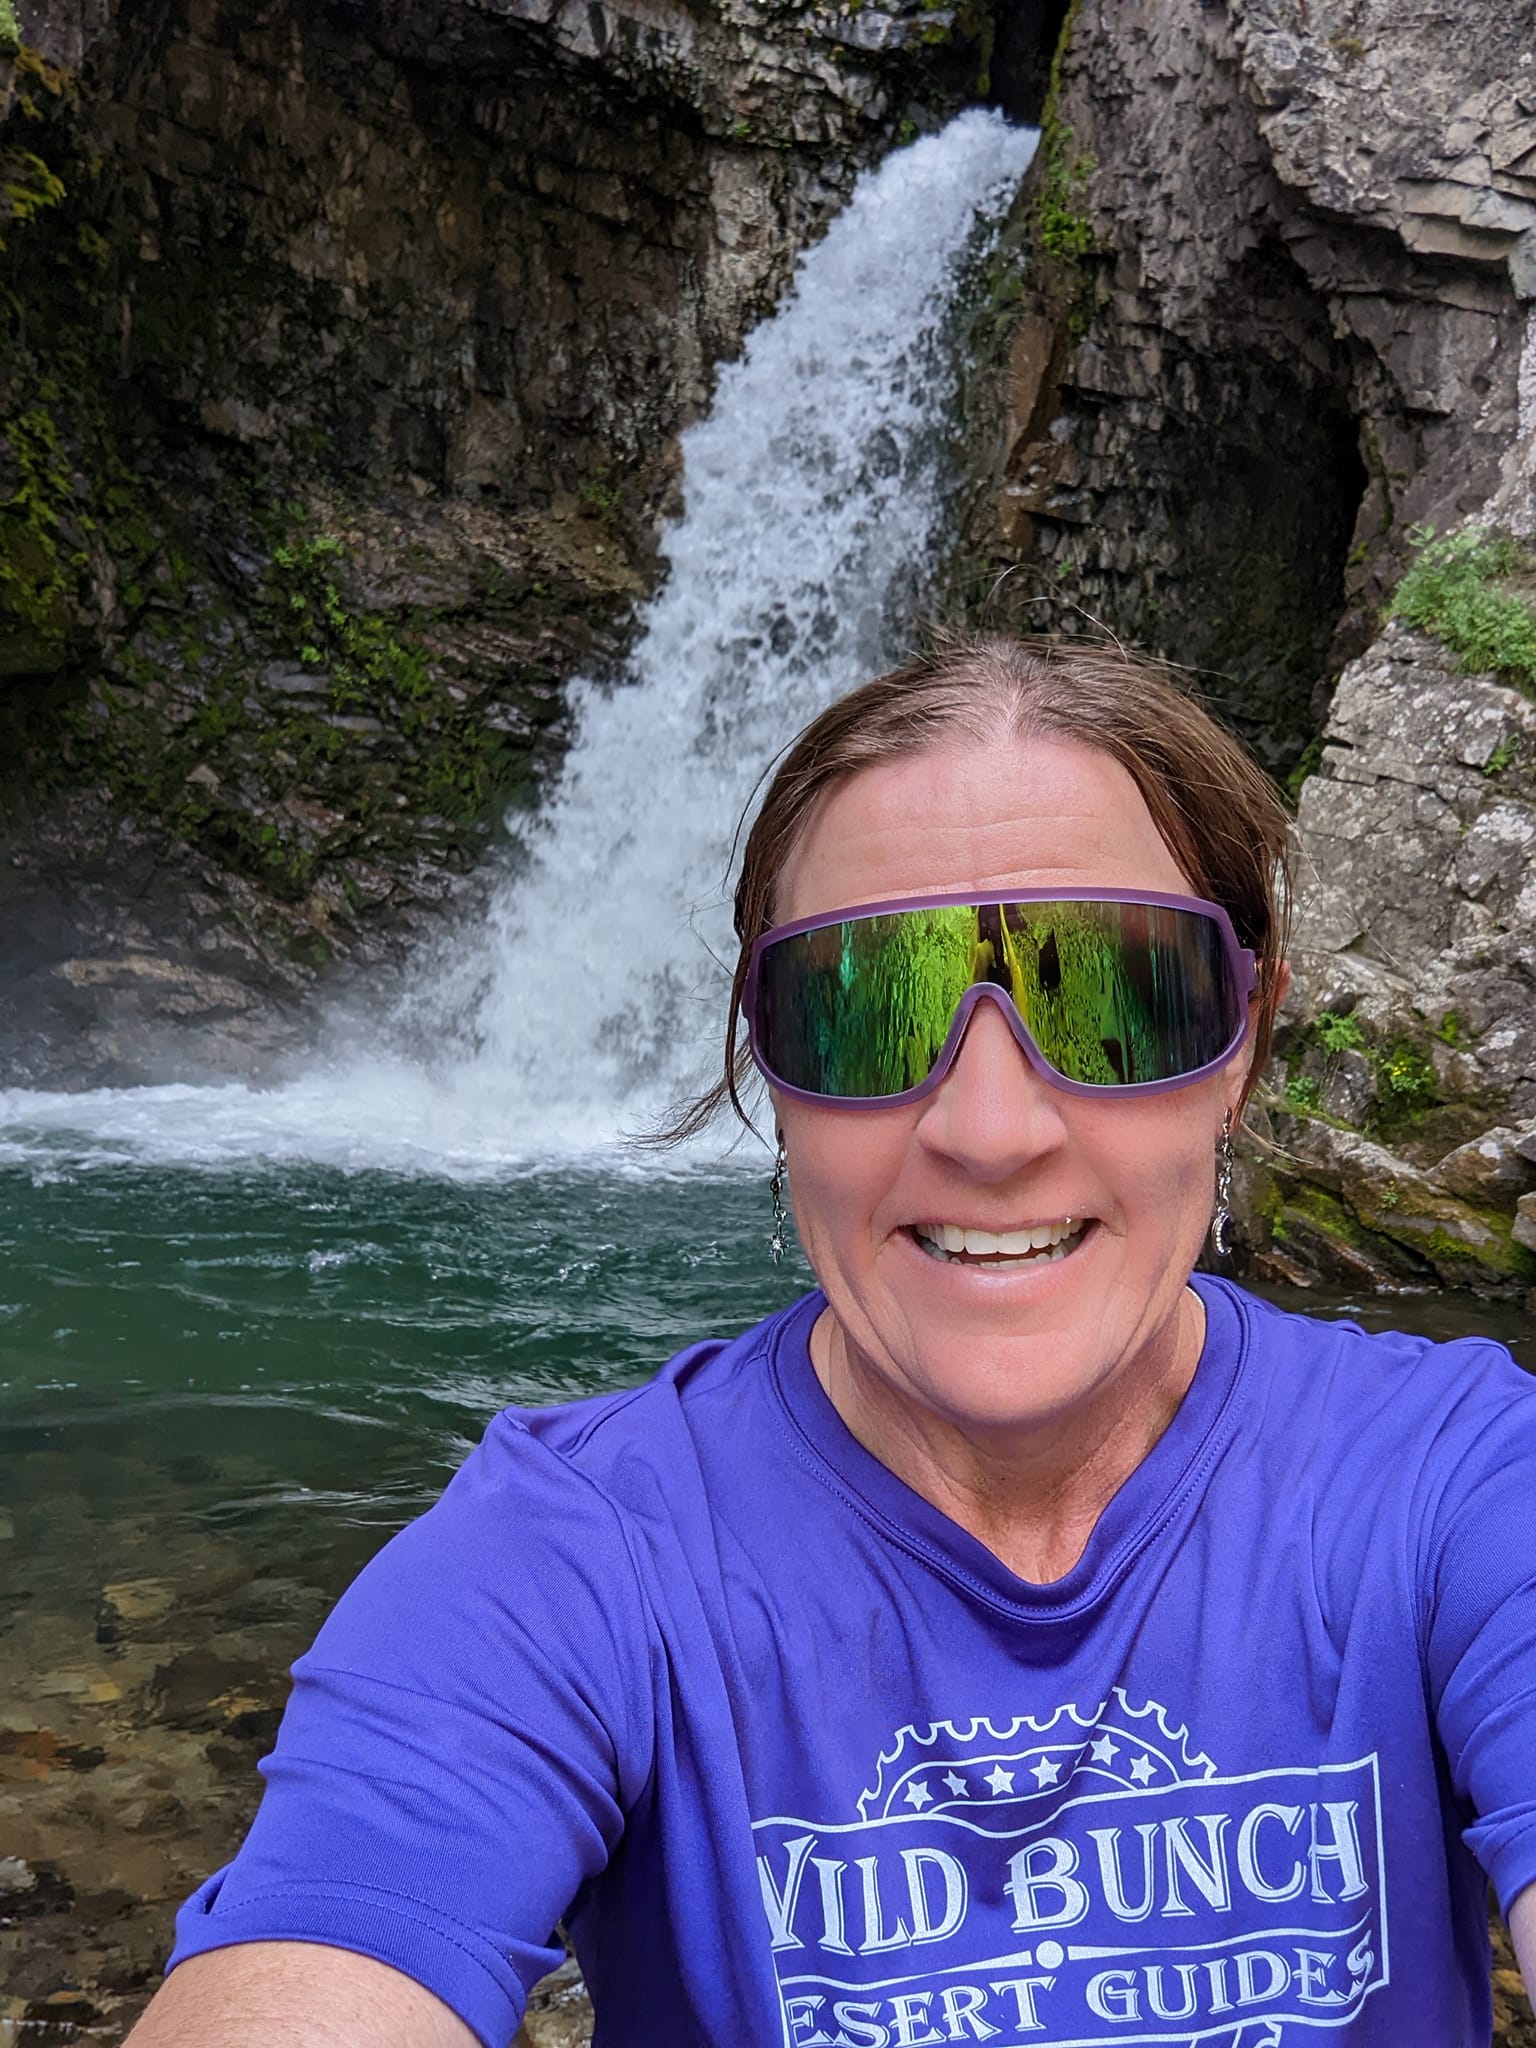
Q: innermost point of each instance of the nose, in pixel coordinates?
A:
(992, 1114)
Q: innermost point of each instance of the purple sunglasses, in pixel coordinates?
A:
(1125, 991)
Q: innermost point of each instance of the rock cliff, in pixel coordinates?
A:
(343, 351)
(1270, 332)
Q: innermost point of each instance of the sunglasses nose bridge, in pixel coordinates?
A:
(965, 1010)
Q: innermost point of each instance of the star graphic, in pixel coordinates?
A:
(1141, 1770)
(1045, 1772)
(955, 1783)
(1000, 1780)
(1104, 1751)
(918, 1796)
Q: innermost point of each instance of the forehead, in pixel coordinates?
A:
(982, 816)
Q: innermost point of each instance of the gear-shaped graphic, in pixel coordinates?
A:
(987, 1770)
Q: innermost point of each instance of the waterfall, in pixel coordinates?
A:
(815, 499)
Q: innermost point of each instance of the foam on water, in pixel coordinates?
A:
(592, 996)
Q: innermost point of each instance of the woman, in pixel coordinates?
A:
(1016, 1640)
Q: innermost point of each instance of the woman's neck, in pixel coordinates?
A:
(1031, 1493)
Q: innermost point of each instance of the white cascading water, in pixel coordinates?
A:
(592, 998)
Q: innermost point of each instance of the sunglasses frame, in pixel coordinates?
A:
(1241, 967)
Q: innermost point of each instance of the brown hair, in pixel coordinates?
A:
(1217, 811)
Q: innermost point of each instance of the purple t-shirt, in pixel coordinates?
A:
(801, 1764)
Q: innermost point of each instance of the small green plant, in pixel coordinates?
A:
(1503, 756)
(28, 187)
(10, 27)
(1303, 1091)
(1063, 228)
(37, 575)
(1349, 47)
(1336, 1033)
(600, 496)
(1450, 1028)
(1405, 1075)
(366, 658)
(1060, 226)
(1457, 589)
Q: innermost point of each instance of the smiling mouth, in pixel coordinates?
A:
(1002, 1251)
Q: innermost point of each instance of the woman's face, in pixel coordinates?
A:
(987, 1346)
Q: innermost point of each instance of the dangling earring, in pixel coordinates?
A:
(1221, 1222)
(776, 1196)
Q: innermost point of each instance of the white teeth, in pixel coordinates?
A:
(1044, 1243)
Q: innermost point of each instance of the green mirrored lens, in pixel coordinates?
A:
(1113, 994)
(862, 1008)
(1119, 993)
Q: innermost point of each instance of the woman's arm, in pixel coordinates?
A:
(1522, 1932)
(293, 1994)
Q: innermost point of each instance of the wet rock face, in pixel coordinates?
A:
(1278, 288)
(343, 352)
(1406, 1104)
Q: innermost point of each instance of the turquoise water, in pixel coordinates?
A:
(284, 1350)
(219, 1393)
(273, 1346)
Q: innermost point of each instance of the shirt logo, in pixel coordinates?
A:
(1083, 1880)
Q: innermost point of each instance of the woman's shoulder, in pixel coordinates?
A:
(716, 1390)
(1316, 1378)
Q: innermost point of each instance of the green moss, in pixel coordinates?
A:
(1468, 590)
(28, 186)
(1450, 1028)
(1304, 1203)
(31, 182)
(1395, 1241)
(1311, 760)
(1061, 228)
(10, 27)
(1499, 1254)
(38, 573)
(366, 658)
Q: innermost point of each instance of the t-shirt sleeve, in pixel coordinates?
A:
(461, 1744)
(1481, 1617)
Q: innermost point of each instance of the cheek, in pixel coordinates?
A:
(1157, 1158)
(842, 1167)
